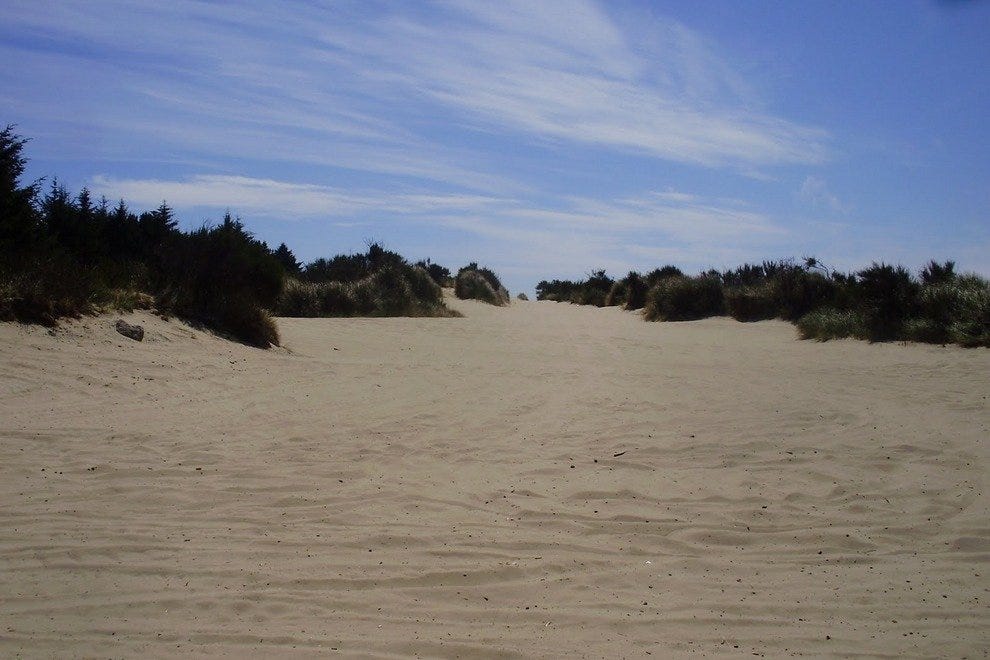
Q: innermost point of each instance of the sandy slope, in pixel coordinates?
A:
(543, 480)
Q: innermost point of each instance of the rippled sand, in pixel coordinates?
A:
(543, 480)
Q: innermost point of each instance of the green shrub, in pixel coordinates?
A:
(299, 299)
(888, 297)
(970, 325)
(394, 295)
(663, 273)
(925, 330)
(936, 273)
(249, 323)
(956, 309)
(223, 277)
(557, 290)
(480, 284)
(336, 299)
(798, 291)
(752, 303)
(628, 293)
(437, 273)
(42, 289)
(830, 323)
(684, 299)
(425, 288)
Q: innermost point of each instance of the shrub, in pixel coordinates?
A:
(522, 296)
(127, 300)
(830, 323)
(595, 289)
(379, 283)
(224, 278)
(798, 291)
(336, 299)
(557, 290)
(394, 296)
(889, 296)
(956, 310)
(299, 299)
(364, 296)
(684, 299)
(42, 289)
(437, 273)
(249, 323)
(425, 288)
(925, 330)
(629, 292)
(663, 273)
(480, 284)
(936, 273)
(752, 303)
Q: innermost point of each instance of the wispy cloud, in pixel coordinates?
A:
(279, 199)
(581, 80)
(566, 233)
(815, 192)
(354, 87)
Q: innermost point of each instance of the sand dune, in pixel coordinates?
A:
(541, 480)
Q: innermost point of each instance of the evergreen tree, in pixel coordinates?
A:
(288, 260)
(18, 219)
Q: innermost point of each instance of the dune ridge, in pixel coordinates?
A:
(537, 480)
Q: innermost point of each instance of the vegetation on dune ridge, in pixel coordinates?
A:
(62, 256)
(879, 303)
(379, 283)
(481, 284)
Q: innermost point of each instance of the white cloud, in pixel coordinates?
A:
(564, 237)
(280, 199)
(373, 88)
(564, 71)
(815, 191)
(667, 215)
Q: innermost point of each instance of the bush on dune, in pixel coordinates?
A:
(226, 279)
(831, 323)
(630, 292)
(684, 299)
(751, 303)
(557, 290)
(481, 284)
(888, 296)
(377, 283)
(799, 291)
(955, 309)
(595, 289)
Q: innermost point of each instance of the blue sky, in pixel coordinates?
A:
(542, 138)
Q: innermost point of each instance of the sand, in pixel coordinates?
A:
(542, 480)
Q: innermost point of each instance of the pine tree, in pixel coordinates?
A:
(18, 220)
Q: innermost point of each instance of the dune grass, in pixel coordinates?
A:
(473, 282)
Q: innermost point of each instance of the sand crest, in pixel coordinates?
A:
(541, 480)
